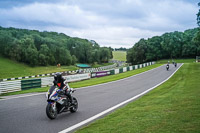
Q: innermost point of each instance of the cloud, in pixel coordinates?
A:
(52, 14)
(118, 23)
(109, 36)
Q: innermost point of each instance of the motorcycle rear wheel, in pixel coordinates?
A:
(50, 112)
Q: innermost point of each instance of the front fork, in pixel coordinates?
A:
(53, 105)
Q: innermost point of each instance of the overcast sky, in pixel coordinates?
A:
(115, 23)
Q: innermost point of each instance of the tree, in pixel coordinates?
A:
(44, 55)
(6, 41)
(105, 54)
(74, 60)
(96, 56)
(47, 47)
(198, 16)
(32, 55)
(196, 40)
(169, 45)
(63, 56)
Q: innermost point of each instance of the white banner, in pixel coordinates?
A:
(77, 77)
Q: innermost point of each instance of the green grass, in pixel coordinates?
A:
(13, 69)
(177, 61)
(101, 65)
(90, 82)
(173, 107)
(119, 55)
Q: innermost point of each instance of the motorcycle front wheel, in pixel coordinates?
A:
(52, 114)
(74, 106)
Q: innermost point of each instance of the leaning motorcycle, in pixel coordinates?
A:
(58, 102)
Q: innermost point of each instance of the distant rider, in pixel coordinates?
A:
(175, 64)
(167, 67)
(62, 84)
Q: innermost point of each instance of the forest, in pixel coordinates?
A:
(49, 48)
(171, 45)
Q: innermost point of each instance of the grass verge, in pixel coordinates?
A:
(13, 69)
(93, 81)
(172, 107)
(177, 61)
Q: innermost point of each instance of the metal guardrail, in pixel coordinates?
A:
(89, 70)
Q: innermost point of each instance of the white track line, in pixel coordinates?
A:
(114, 107)
(28, 95)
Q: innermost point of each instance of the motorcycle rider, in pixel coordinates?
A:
(175, 64)
(62, 84)
(167, 65)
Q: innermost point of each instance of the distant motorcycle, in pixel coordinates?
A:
(167, 67)
(58, 102)
(175, 64)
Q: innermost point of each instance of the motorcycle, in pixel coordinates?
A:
(175, 64)
(58, 102)
(167, 67)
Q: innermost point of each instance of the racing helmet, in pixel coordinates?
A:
(58, 77)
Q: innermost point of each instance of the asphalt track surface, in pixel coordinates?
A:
(27, 114)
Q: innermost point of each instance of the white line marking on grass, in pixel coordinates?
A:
(114, 107)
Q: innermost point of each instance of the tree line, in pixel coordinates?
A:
(49, 48)
(169, 45)
(120, 49)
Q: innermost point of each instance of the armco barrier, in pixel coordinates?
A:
(116, 71)
(112, 72)
(136, 66)
(121, 70)
(77, 77)
(48, 81)
(10, 86)
(31, 83)
(100, 74)
(89, 70)
(124, 69)
(131, 68)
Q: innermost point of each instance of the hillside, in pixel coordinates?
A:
(12, 69)
(119, 55)
(49, 48)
